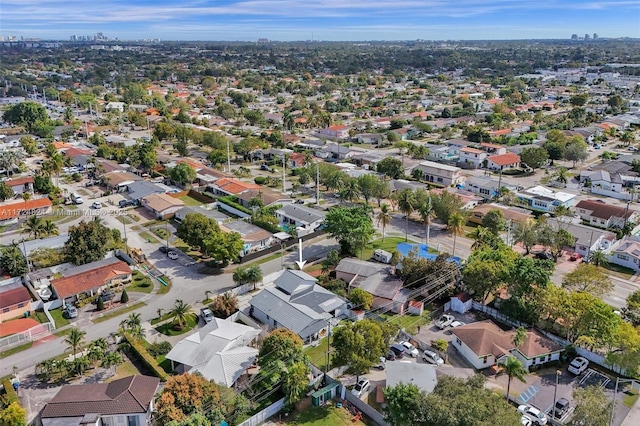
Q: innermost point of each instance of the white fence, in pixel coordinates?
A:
(262, 416)
(27, 336)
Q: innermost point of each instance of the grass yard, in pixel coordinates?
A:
(318, 354)
(409, 322)
(125, 369)
(618, 271)
(58, 317)
(164, 317)
(327, 415)
(164, 289)
(141, 286)
(118, 312)
(161, 233)
(168, 328)
(15, 350)
(147, 236)
(630, 397)
(190, 202)
(389, 244)
(63, 333)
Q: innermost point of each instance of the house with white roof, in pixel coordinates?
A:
(626, 253)
(219, 351)
(545, 200)
(441, 174)
(305, 219)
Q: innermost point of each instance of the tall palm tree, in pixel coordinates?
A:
(50, 228)
(384, 217)
(350, 191)
(180, 312)
(598, 258)
(561, 175)
(456, 227)
(335, 181)
(526, 233)
(75, 339)
(33, 226)
(519, 337)
(425, 210)
(111, 359)
(253, 275)
(240, 275)
(406, 203)
(480, 236)
(56, 164)
(512, 367)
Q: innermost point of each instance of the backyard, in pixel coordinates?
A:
(326, 415)
(318, 354)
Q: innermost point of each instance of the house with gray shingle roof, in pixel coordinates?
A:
(304, 219)
(298, 303)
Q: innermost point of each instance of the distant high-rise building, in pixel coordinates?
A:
(595, 36)
(587, 36)
(574, 36)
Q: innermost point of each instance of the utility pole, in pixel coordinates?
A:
(228, 157)
(317, 183)
(428, 221)
(284, 174)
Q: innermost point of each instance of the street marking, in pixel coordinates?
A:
(528, 394)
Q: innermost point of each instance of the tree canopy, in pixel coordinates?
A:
(360, 345)
(351, 226)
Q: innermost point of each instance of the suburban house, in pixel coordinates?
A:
(376, 279)
(586, 238)
(626, 253)
(513, 214)
(335, 132)
(118, 180)
(254, 237)
(216, 215)
(440, 173)
(20, 185)
(127, 401)
(219, 351)
(471, 157)
(12, 211)
(485, 186)
(545, 200)
(492, 148)
(231, 186)
(304, 219)
(611, 179)
(484, 345)
(266, 196)
(443, 153)
(600, 214)
(298, 303)
(506, 161)
(15, 299)
(373, 138)
(137, 190)
(90, 279)
(163, 206)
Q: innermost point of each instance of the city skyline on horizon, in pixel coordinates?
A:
(324, 20)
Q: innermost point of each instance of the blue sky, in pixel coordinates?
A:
(249, 20)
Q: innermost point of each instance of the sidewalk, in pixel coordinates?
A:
(633, 417)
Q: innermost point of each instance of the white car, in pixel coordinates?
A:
(410, 349)
(578, 365)
(361, 387)
(444, 321)
(526, 421)
(457, 324)
(96, 205)
(172, 255)
(531, 412)
(432, 357)
(207, 315)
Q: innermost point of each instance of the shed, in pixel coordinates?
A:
(322, 395)
(461, 303)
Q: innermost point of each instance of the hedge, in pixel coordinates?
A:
(11, 395)
(146, 358)
(231, 202)
(260, 180)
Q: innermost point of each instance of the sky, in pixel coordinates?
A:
(330, 20)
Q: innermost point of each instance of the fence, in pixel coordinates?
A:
(262, 416)
(494, 313)
(366, 409)
(242, 289)
(28, 335)
(277, 247)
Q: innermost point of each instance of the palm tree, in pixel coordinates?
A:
(50, 228)
(526, 233)
(598, 258)
(240, 275)
(207, 293)
(180, 312)
(350, 190)
(425, 209)
(56, 163)
(335, 181)
(384, 217)
(26, 196)
(480, 236)
(33, 226)
(561, 175)
(456, 227)
(512, 367)
(405, 205)
(75, 339)
(253, 275)
(519, 337)
(111, 359)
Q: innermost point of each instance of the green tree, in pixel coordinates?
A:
(384, 217)
(446, 204)
(124, 297)
(592, 407)
(534, 157)
(180, 313)
(494, 221)
(74, 340)
(351, 226)
(391, 167)
(6, 192)
(512, 367)
(525, 233)
(359, 345)
(576, 150)
(350, 191)
(333, 258)
(26, 114)
(488, 269)
(182, 147)
(631, 311)
(13, 415)
(12, 261)
(361, 299)
(455, 225)
(554, 239)
(183, 174)
(588, 278)
(367, 184)
(406, 202)
(225, 247)
(195, 228)
(29, 145)
(88, 242)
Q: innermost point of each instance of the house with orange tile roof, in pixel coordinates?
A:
(500, 132)
(472, 157)
(335, 132)
(12, 211)
(231, 186)
(509, 160)
(15, 299)
(90, 279)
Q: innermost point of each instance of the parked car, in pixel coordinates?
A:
(172, 255)
(432, 357)
(266, 168)
(457, 324)
(125, 203)
(410, 350)
(71, 311)
(543, 255)
(578, 365)
(391, 356)
(96, 205)
(299, 201)
(164, 249)
(382, 363)
(525, 421)
(207, 315)
(361, 387)
(561, 408)
(398, 350)
(536, 415)
(106, 295)
(444, 321)
(76, 199)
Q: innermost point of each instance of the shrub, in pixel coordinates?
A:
(125, 297)
(100, 304)
(10, 393)
(260, 180)
(159, 348)
(145, 357)
(76, 177)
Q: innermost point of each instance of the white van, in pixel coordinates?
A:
(382, 256)
(76, 199)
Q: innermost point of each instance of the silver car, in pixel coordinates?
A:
(432, 357)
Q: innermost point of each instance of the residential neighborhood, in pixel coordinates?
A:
(188, 243)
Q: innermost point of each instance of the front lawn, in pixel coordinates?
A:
(125, 369)
(190, 202)
(58, 317)
(618, 271)
(389, 244)
(118, 312)
(147, 236)
(409, 323)
(170, 329)
(318, 354)
(326, 415)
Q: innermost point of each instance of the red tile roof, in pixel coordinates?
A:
(13, 210)
(235, 186)
(505, 159)
(8, 328)
(602, 210)
(19, 181)
(79, 283)
(74, 152)
(14, 296)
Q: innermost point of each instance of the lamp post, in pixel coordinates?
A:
(555, 394)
